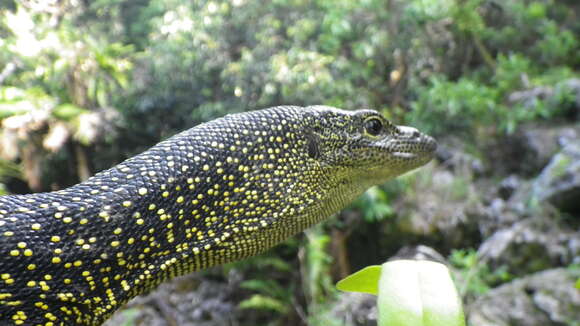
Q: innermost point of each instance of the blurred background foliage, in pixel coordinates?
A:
(85, 84)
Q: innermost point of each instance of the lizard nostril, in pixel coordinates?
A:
(416, 134)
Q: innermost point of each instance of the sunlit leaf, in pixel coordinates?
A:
(67, 111)
(268, 287)
(366, 281)
(11, 93)
(10, 108)
(262, 302)
(418, 293)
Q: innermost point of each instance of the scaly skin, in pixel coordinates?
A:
(219, 192)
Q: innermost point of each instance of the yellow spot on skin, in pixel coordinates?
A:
(36, 226)
(56, 260)
(21, 245)
(55, 238)
(67, 220)
(28, 252)
(126, 203)
(115, 243)
(44, 287)
(14, 252)
(31, 267)
(142, 191)
(205, 167)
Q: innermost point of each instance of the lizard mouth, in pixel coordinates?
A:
(405, 155)
(421, 146)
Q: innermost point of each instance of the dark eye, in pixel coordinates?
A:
(373, 126)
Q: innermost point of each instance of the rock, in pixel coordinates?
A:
(419, 252)
(559, 182)
(451, 152)
(438, 206)
(444, 212)
(508, 186)
(548, 298)
(498, 215)
(530, 149)
(552, 97)
(545, 141)
(530, 245)
(356, 309)
(191, 300)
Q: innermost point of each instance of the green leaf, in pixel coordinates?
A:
(9, 93)
(268, 287)
(10, 108)
(366, 281)
(258, 301)
(418, 293)
(67, 111)
(130, 317)
(10, 169)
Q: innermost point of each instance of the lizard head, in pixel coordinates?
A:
(364, 145)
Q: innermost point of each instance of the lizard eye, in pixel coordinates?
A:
(373, 126)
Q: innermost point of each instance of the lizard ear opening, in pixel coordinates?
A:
(313, 145)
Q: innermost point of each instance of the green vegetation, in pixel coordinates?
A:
(475, 276)
(410, 293)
